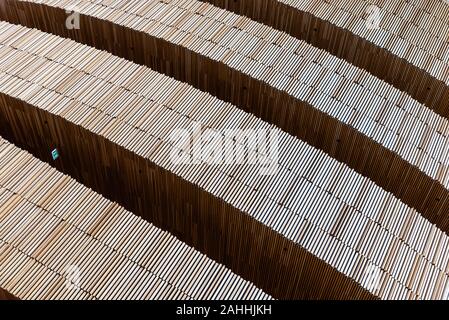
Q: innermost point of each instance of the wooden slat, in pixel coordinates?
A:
(313, 223)
(409, 50)
(377, 130)
(61, 240)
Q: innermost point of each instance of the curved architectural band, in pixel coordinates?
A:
(402, 42)
(356, 118)
(71, 243)
(115, 121)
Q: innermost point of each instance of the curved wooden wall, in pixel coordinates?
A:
(410, 50)
(374, 128)
(50, 225)
(240, 221)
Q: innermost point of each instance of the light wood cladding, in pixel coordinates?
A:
(410, 50)
(310, 230)
(354, 117)
(61, 240)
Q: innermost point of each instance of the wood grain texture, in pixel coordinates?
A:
(384, 135)
(308, 231)
(409, 50)
(61, 240)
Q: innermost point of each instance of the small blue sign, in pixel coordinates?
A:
(55, 154)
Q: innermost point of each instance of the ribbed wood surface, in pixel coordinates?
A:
(61, 240)
(356, 118)
(409, 50)
(326, 223)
